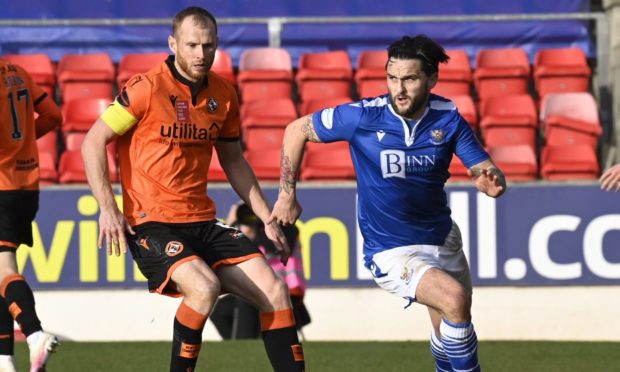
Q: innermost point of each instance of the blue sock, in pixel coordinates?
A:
(442, 363)
(460, 345)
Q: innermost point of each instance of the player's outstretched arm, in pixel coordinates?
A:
(112, 223)
(243, 180)
(488, 178)
(610, 180)
(287, 210)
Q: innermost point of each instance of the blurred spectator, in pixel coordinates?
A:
(235, 318)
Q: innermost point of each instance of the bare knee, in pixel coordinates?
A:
(201, 293)
(457, 304)
(277, 296)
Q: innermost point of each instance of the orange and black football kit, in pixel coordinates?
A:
(168, 126)
(19, 159)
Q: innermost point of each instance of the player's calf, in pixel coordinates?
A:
(460, 344)
(281, 341)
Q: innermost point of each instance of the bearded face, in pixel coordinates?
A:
(409, 87)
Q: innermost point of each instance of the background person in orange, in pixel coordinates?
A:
(20, 98)
(167, 122)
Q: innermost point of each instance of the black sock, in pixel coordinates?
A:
(6, 330)
(186, 339)
(20, 301)
(281, 342)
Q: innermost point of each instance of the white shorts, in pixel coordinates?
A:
(399, 270)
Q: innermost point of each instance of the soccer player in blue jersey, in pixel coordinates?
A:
(401, 145)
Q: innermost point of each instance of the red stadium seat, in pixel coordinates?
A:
(569, 162)
(327, 161)
(265, 162)
(509, 120)
(454, 76)
(216, 173)
(71, 168)
(80, 114)
(265, 73)
(324, 74)
(74, 140)
(371, 65)
(223, 66)
(40, 67)
(372, 88)
(501, 72)
(458, 171)
(277, 112)
(137, 63)
(309, 107)
(570, 118)
(47, 169)
(517, 162)
(560, 71)
(257, 138)
(49, 144)
(370, 75)
(467, 109)
(85, 75)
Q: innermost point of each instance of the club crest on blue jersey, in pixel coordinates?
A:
(212, 104)
(437, 136)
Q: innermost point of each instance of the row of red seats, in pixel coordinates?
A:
(269, 72)
(569, 127)
(322, 162)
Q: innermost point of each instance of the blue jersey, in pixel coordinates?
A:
(401, 167)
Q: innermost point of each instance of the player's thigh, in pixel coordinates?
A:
(195, 278)
(440, 290)
(452, 259)
(255, 281)
(159, 251)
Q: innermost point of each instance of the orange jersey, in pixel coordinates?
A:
(19, 158)
(167, 128)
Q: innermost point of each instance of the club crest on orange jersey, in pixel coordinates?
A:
(173, 248)
(212, 104)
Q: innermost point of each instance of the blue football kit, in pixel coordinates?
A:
(401, 167)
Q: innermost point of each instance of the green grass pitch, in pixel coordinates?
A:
(249, 356)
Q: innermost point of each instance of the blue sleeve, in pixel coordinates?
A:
(337, 124)
(468, 148)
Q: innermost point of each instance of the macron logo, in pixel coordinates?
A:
(392, 163)
(327, 118)
(380, 135)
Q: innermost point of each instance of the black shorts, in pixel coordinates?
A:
(158, 248)
(17, 211)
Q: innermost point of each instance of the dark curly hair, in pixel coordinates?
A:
(419, 47)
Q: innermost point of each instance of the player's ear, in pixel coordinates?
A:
(172, 44)
(432, 80)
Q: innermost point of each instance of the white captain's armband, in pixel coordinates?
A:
(118, 118)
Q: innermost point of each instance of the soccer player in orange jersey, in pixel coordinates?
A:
(20, 98)
(168, 121)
